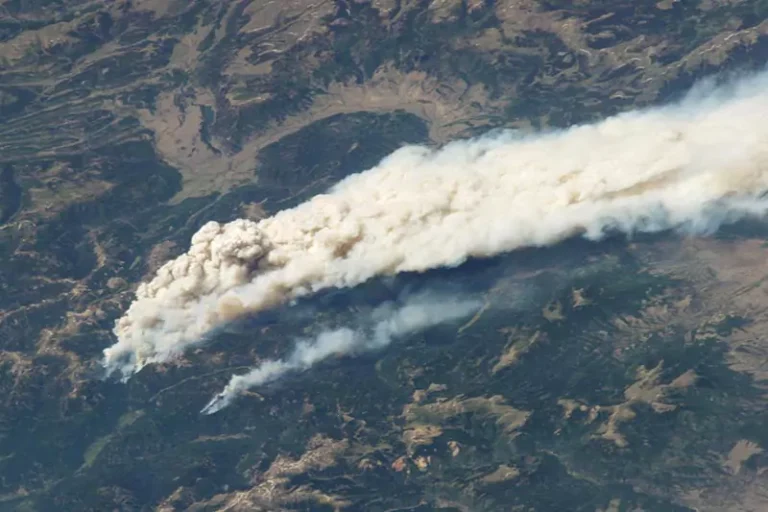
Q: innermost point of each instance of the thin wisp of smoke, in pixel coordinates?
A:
(387, 323)
(691, 166)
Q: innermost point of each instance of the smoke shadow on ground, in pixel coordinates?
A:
(536, 274)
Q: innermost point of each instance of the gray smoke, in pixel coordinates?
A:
(388, 322)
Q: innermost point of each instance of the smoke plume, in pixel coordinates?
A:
(387, 322)
(690, 166)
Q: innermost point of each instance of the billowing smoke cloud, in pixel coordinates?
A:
(691, 166)
(386, 323)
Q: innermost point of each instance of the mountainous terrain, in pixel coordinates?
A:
(626, 375)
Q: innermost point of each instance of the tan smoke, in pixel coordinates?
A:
(690, 166)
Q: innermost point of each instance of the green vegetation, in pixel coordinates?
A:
(127, 125)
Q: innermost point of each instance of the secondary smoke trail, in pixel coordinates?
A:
(691, 166)
(388, 323)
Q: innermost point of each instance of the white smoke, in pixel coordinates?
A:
(388, 323)
(691, 166)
